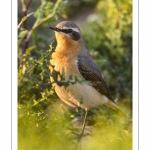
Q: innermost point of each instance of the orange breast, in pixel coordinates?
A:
(65, 63)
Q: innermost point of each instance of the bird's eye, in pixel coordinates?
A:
(69, 30)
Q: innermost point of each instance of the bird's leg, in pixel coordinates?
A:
(83, 127)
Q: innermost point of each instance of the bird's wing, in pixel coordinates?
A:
(90, 71)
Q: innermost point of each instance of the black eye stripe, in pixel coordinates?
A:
(74, 35)
(67, 30)
(70, 30)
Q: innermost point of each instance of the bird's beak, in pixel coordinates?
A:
(55, 29)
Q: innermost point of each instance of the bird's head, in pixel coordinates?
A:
(67, 32)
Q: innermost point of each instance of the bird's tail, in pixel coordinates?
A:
(116, 109)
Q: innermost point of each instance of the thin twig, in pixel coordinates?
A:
(24, 11)
(38, 23)
(23, 19)
(28, 4)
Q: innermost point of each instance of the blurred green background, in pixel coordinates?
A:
(44, 123)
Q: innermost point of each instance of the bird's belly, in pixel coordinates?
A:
(82, 95)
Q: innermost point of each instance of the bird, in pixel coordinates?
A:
(73, 59)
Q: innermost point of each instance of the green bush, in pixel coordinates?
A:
(109, 38)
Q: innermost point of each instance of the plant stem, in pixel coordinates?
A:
(38, 23)
(24, 11)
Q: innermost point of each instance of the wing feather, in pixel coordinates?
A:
(90, 71)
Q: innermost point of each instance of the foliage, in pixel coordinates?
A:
(110, 40)
(43, 122)
(45, 14)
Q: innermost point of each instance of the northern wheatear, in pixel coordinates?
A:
(72, 58)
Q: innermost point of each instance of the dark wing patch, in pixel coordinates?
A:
(90, 72)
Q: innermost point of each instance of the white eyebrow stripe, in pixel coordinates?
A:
(74, 29)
